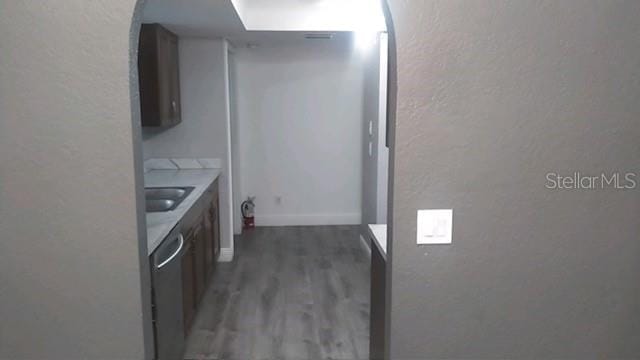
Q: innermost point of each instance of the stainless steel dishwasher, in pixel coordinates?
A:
(166, 277)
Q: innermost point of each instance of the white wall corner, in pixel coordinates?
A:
(229, 191)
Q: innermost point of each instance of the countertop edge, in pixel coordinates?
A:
(378, 234)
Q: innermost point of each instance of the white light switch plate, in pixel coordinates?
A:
(435, 226)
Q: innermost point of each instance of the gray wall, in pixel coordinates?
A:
(491, 97)
(382, 150)
(299, 127)
(375, 166)
(70, 256)
(370, 107)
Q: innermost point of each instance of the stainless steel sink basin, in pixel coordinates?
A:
(160, 205)
(164, 193)
(165, 199)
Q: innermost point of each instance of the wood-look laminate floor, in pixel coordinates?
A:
(290, 293)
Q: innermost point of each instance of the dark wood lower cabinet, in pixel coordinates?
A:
(208, 245)
(202, 245)
(188, 283)
(212, 231)
(215, 225)
(200, 271)
(377, 335)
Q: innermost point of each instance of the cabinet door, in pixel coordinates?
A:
(200, 272)
(216, 226)
(165, 77)
(174, 82)
(159, 74)
(148, 75)
(188, 283)
(208, 244)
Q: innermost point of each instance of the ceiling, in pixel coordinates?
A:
(197, 18)
(255, 21)
(312, 15)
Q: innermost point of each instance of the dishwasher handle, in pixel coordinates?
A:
(178, 250)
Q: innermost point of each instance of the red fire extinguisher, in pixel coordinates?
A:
(247, 209)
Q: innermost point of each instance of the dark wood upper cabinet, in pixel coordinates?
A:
(159, 76)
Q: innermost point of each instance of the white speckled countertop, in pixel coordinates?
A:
(160, 224)
(379, 237)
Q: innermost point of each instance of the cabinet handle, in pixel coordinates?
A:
(181, 238)
(173, 106)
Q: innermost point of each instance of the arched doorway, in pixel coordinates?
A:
(136, 23)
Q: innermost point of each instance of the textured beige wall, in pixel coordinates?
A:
(70, 260)
(492, 95)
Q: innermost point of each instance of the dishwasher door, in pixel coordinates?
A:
(167, 298)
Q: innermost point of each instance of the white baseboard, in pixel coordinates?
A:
(366, 245)
(308, 219)
(226, 255)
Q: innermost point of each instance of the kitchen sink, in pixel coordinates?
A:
(156, 205)
(164, 193)
(165, 199)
